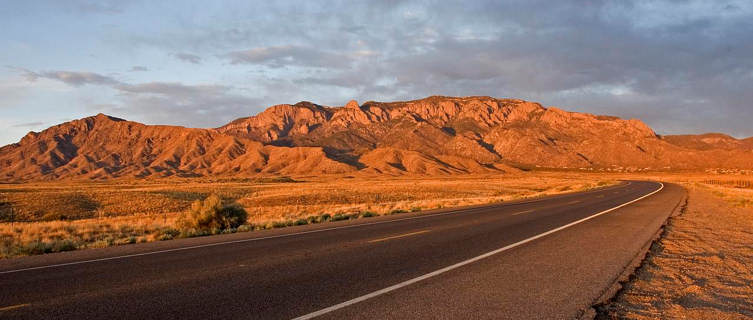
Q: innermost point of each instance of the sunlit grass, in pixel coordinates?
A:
(106, 214)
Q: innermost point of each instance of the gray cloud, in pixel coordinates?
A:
(106, 7)
(279, 56)
(681, 66)
(74, 78)
(160, 102)
(170, 88)
(686, 72)
(28, 124)
(176, 103)
(138, 69)
(188, 57)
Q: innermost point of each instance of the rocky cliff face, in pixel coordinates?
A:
(435, 135)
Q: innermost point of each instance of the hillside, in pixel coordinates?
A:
(710, 141)
(102, 147)
(435, 135)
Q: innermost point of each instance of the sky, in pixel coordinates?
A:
(680, 66)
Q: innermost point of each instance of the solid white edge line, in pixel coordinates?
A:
(463, 263)
(269, 237)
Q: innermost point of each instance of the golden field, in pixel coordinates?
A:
(50, 217)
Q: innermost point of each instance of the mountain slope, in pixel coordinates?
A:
(483, 129)
(435, 135)
(103, 147)
(710, 141)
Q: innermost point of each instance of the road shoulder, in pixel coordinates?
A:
(699, 269)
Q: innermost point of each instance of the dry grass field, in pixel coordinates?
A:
(50, 217)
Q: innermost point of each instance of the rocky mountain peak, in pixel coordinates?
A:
(352, 104)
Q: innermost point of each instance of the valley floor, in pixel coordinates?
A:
(61, 216)
(702, 268)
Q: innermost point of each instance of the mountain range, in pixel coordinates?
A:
(432, 136)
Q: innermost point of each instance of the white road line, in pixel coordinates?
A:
(270, 237)
(463, 263)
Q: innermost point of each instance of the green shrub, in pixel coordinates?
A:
(36, 247)
(63, 245)
(415, 209)
(369, 214)
(167, 234)
(128, 240)
(339, 217)
(212, 216)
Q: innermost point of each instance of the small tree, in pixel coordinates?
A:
(212, 214)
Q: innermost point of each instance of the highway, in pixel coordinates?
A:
(548, 258)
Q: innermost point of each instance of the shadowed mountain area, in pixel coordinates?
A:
(435, 135)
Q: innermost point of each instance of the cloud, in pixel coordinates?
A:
(177, 103)
(138, 69)
(28, 124)
(106, 7)
(203, 105)
(187, 57)
(682, 66)
(279, 56)
(74, 78)
(170, 88)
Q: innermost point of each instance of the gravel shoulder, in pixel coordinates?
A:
(702, 267)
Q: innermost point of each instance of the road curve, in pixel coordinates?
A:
(548, 258)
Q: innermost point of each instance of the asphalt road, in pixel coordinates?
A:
(532, 259)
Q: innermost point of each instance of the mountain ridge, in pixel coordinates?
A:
(435, 135)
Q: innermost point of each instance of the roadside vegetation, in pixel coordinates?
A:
(211, 216)
(51, 217)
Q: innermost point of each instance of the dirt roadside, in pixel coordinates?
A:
(702, 267)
